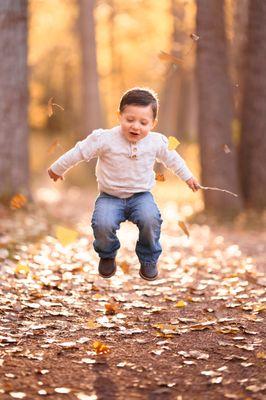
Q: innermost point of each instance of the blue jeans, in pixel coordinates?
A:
(140, 209)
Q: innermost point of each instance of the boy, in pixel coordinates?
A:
(126, 156)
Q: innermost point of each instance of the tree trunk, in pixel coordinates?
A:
(238, 50)
(91, 112)
(253, 139)
(219, 168)
(14, 169)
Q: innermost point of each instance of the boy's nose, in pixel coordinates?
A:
(136, 125)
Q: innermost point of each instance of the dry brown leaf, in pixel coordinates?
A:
(226, 149)
(110, 308)
(50, 105)
(169, 58)
(194, 37)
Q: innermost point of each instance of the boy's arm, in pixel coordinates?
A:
(84, 150)
(173, 161)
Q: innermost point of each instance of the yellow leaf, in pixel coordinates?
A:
(261, 354)
(180, 304)
(183, 227)
(158, 326)
(92, 325)
(100, 348)
(22, 269)
(65, 235)
(173, 143)
(18, 201)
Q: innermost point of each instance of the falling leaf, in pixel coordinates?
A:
(53, 146)
(173, 143)
(194, 37)
(100, 348)
(22, 269)
(50, 107)
(183, 226)
(159, 177)
(226, 149)
(18, 201)
(65, 235)
(169, 58)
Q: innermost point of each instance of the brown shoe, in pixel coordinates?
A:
(107, 267)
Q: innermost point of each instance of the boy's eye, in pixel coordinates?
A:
(144, 123)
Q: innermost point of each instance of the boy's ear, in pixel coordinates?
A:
(155, 122)
(118, 114)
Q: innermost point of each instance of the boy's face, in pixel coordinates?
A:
(136, 122)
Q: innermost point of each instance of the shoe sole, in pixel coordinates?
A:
(108, 276)
(146, 278)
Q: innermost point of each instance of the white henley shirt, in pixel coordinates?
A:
(123, 168)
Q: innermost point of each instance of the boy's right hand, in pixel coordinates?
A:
(54, 176)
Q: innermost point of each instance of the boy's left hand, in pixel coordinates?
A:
(193, 184)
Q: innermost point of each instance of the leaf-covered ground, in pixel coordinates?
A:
(198, 332)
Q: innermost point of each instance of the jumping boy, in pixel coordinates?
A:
(126, 155)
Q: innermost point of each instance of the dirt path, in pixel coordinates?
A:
(198, 332)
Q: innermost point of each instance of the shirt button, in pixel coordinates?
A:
(134, 156)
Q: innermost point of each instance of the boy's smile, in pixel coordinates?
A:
(136, 122)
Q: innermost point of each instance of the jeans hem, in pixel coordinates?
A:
(148, 263)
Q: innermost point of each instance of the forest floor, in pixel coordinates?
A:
(197, 332)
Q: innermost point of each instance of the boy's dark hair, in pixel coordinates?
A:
(140, 97)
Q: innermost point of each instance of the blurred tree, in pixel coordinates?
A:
(91, 113)
(14, 171)
(215, 109)
(253, 138)
(238, 50)
(178, 99)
